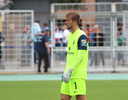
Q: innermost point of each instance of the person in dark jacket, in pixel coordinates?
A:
(1, 40)
(99, 41)
(43, 50)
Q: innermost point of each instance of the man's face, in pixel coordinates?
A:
(69, 23)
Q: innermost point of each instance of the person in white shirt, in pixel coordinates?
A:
(37, 32)
(64, 43)
(65, 35)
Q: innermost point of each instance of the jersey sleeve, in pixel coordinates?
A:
(82, 46)
(82, 42)
(79, 59)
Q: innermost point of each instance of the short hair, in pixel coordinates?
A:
(74, 16)
(37, 21)
(43, 30)
(88, 26)
(45, 24)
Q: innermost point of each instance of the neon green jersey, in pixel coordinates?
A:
(77, 54)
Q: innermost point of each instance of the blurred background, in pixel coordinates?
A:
(17, 21)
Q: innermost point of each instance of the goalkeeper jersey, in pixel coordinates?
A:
(77, 54)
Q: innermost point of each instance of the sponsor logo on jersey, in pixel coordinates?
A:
(70, 52)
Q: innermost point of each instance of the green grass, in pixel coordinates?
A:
(50, 90)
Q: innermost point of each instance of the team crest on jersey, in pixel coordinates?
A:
(83, 42)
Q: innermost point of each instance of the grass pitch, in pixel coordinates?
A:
(50, 90)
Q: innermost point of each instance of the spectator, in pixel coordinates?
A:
(26, 52)
(37, 32)
(39, 28)
(88, 33)
(98, 41)
(65, 35)
(43, 50)
(59, 27)
(48, 36)
(58, 41)
(118, 25)
(119, 44)
(57, 38)
(46, 26)
(120, 30)
(1, 40)
(92, 44)
(43, 31)
(63, 44)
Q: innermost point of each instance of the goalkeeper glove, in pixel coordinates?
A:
(66, 76)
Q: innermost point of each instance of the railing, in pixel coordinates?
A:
(89, 7)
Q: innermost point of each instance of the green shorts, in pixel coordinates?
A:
(75, 86)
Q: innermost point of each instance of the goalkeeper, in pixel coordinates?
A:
(73, 79)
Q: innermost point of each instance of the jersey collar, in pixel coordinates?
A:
(76, 31)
